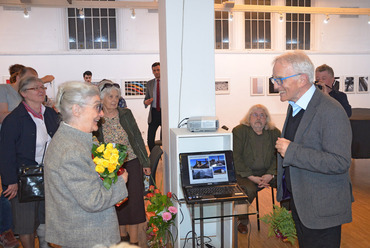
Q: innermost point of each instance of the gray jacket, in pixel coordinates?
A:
(80, 212)
(319, 160)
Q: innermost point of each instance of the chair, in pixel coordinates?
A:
(257, 206)
(154, 157)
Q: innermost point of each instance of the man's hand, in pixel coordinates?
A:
(11, 191)
(266, 179)
(325, 89)
(282, 145)
(148, 101)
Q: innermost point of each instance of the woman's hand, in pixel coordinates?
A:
(147, 171)
(125, 176)
(11, 191)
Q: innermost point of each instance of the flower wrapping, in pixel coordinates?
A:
(109, 159)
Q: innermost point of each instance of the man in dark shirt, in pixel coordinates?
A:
(325, 78)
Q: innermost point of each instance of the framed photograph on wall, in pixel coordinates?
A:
(222, 87)
(134, 88)
(257, 86)
(270, 88)
(363, 84)
(349, 84)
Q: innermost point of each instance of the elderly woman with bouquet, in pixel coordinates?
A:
(119, 126)
(79, 209)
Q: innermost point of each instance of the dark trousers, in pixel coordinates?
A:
(6, 221)
(316, 238)
(153, 126)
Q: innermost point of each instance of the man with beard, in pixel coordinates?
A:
(255, 154)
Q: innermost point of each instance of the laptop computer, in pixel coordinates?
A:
(209, 177)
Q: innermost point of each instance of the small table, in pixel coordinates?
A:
(228, 209)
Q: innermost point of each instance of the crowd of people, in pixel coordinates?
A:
(306, 162)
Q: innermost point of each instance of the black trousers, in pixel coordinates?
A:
(153, 126)
(316, 238)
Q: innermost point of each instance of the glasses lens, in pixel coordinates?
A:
(109, 85)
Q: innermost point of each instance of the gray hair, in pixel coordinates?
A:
(107, 90)
(300, 62)
(246, 120)
(71, 93)
(25, 81)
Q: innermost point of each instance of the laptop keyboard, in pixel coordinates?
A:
(212, 190)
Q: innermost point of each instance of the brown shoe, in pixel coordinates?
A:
(7, 240)
(242, 228)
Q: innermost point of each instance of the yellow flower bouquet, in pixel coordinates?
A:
(109, 159)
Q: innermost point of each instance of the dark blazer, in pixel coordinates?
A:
(148, 95)
(319, 160)
(18, 141)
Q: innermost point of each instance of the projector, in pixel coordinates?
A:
(202, 124)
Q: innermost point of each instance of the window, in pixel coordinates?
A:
(257, 27)
(221, 28)
(298, 27)
(97, 30)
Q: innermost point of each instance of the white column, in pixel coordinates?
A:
(186, 37)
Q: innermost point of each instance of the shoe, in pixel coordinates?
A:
(125, 238)
(7, 240)
(242, 228)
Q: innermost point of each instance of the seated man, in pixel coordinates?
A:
(255, 154)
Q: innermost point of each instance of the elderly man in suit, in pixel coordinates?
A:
(153, 99)
(314, 160)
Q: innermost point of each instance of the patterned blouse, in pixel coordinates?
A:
(114, 133)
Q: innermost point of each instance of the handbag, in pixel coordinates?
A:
(31, 182)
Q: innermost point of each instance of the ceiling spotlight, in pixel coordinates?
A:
(369, 20)
(133, 14)
(81, 13)
(327, 19)
(25, 13)
(231, 16)
(281, 17)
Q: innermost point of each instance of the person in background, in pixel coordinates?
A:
(325, 78)
(80, 210)
(314, 154)
(87, 75)
(153, 99)
(121, 102)
(24, 135)
(119, 126)
(255, 154)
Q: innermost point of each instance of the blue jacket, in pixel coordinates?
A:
(18, 141)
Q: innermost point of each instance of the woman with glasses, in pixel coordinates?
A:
(119, 126)
(24, 135)
(255, 154)
(79, 209)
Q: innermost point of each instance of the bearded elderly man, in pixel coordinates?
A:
(314, 158)
(255, 154)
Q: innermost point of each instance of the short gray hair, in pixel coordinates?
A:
(71, 93)
(25, 81)
(300, 62)
(107, 90)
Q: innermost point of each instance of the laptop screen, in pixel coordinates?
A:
(207, 168)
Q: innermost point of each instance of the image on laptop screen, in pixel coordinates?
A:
(207, 168)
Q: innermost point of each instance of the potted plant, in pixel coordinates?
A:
(281, 224)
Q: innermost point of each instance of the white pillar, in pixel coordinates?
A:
(186, 37)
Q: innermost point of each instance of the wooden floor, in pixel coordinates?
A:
(355, 234)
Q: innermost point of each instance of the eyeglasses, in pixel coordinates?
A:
(109, 85)
(98, 107)
(279, 81)
(261, 115)
(37, 88)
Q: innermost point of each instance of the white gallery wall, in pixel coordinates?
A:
(41, 42)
